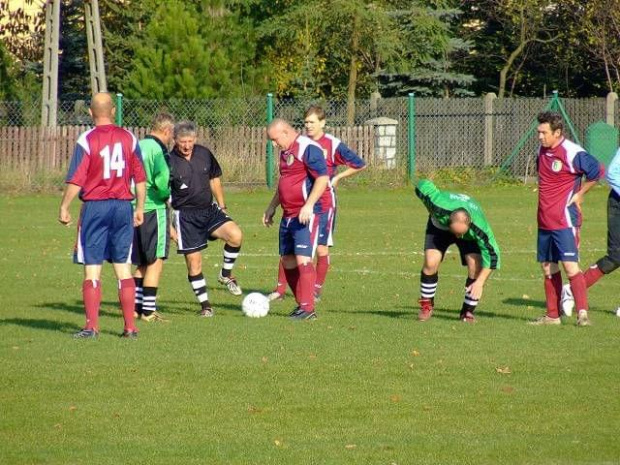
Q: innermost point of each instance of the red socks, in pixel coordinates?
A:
(322, 267)
(592, 275)
(292, 278)
(91, 294)
(580, 293)
(305, 287)
(282, 280)
(127, 296)
(553, 291)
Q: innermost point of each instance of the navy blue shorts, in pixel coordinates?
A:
(105, 232)
(326, 227)
(297, 238)
(560, 245)
(196, 226)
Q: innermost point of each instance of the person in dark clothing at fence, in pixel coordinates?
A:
(195, 184)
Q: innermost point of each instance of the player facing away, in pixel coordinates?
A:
(611, 261)
(105, 162)
(455, 219)
(152, 239)
(561, 164)
(336, 154)
(303, 179)
(200, 213)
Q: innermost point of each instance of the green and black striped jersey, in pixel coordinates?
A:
(440, 204)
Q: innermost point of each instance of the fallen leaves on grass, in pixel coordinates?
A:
(350, 446)
(503, 370)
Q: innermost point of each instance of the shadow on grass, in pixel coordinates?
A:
(78, 307)
(524, 302)
(51, 325)
(441, 314)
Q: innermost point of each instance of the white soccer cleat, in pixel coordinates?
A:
(567, 300)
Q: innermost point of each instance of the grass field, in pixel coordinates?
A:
(364, 384)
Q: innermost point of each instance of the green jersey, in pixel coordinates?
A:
(440, 204)
(154, 154)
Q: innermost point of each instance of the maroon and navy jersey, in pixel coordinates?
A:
(105, 161)
(336, 154)
(560, 170)
(300, 165)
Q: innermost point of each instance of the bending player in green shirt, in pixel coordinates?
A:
(455, 219)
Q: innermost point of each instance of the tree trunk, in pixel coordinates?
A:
(503, 74)
(355, 45)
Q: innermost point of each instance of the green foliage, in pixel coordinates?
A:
(190, 52)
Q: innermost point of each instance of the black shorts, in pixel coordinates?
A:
(195, 227)
(151, 240)
(438, 239)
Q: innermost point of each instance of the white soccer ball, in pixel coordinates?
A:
(255, 305)
(618, 312)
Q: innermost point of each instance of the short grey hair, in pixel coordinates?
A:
(185, 128)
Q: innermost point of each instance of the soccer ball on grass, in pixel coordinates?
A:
(255, 305)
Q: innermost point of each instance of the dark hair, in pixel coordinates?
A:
(315, 110)
(458, 212)
(554, 119)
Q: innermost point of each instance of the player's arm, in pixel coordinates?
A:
(71, 191)
(271, 210)
(161, 176)
(593, 171)
(218, 192)
(138, 214)
(489, 251)
(346, 156)
(315, 164)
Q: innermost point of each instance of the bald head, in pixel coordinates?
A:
(282, 133)
(102, 108)
(460, 221)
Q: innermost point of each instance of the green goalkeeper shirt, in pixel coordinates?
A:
(154, 154)
(440, 204)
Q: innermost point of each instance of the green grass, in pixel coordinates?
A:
(364, 384)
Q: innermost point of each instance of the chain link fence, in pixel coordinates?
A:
(467, 140)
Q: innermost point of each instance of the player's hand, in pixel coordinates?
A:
(305, 214)
(576, 199)
(475, 289)
(268, 217)
(138, 218)
(64, 217)
(173, 235)
(335, 180)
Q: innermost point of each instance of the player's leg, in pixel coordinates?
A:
(305, 238)
(192, 238)
(436, 242)
(155, 246)
(610, 262)
(325, 241)
(138, 279)
(137, 258)
(231, 234)
(197, 281)
(91, 251)
(566, 241)
(547, 256)
(151, 286)
(126, 297)
(473, 261)
(291, 273)
(280, 290)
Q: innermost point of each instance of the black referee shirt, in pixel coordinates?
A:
(190, 180)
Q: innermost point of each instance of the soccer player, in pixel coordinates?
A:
(195, 177)
(455, 219)
(152, 238)
(611, 261)
(303, 179)
(561, 165)
(105, 162)
(336, 154)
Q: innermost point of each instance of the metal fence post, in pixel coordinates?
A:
(411, 137)
(119, 109)
(269, 158)
(610, 108)
(488, 128)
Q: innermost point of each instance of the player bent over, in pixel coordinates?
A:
(303, 178)
(105, 162)
(336, 154)
(195, 182)
(455, 219)
(152, 239)
(561, 164)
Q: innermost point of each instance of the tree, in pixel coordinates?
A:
(192, 52)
